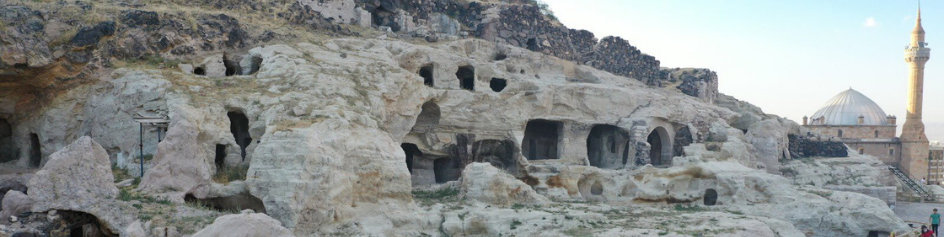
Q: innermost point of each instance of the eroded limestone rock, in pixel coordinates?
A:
(485, 183)
(244, 225)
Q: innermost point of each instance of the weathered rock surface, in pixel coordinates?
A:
(14, 203)
(75, 178)
(485, 183)
(244, 225)
(180, 166)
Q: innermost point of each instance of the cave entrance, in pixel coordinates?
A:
(532, 44)
(411, 151)
(239, 126)
(381, 16)
(500, 154)
(606, 146)
(428, 118)
(232, 68)
(466, 75)
(255, 63)
(427, 73)
(541, 138)
(36, 154)
(498, 84)
(658, 142)
(220, 159)
(447, 169)
(199, 71)
(7, 150)
(79, 224)
(711, 197)
(591, 188)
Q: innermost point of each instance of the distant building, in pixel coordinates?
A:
(863, 126)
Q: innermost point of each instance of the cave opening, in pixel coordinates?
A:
(220, 159)
(498, 84)
(498, 153)
(239, 126)
(541, 139)
(447, 169)
(499, 56)
(232, 68)
(711, 197)
(79, 224)
(532, 44)
(605, 146)
(596, 188)
(428, 118)
(427, 73)
(466, 75)
(411, 151)
(255, 63)
(199, 71)
(7, 149)
(658, 141)
(381, 16)
(36, 154)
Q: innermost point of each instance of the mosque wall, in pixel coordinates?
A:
(856, 131)
(888, 152)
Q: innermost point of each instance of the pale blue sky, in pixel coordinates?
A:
(788, 57)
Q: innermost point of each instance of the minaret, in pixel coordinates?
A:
(914, 144)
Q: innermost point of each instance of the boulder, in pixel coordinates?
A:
(244, 225)
(14, 203)
(485, 183)
(74, 178)
(180, 166)
(770, 143)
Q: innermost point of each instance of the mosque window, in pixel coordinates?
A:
(891, 151)
(876, 133)
(861, 151)
(840, 132)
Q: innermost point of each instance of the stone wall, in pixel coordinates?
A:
(856, 132)
(697, 82)
(802, 146)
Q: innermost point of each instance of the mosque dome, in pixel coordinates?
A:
(845, 109)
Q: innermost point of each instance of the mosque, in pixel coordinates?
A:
(863, 125)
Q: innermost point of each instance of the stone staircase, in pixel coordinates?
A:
(914, 186)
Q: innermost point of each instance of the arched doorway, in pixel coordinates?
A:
(606, 146)
(660, 147)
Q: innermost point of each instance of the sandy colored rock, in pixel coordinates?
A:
(244, 225)
(485, 183)
(180, 166)
(74, 178)
(14, 203)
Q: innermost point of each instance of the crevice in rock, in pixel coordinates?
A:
(234, 203)
(36, 154)
(542, 139)
(427, 73)
(239, 126)
(466, 75)
(411, 151)
(498, 84)
(498, 153)
(21, 66)
(606, 146)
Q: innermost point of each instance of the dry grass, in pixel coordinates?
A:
(228, 174)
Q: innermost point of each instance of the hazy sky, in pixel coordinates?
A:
(788, 57)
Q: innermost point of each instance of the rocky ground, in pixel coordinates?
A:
(284, 120)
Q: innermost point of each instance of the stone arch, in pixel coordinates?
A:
(606, 147)
(711, 197)
(239, 126)
(500, 154)
(36, 152)
(7, 149)
(660, 147)
(428, 118)
(542, 139)
(466, 75)
(426, 72)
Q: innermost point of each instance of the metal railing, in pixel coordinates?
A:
(925, 194)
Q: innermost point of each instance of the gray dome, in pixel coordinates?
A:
(845, 109)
